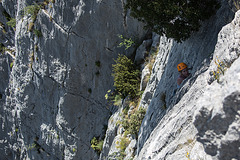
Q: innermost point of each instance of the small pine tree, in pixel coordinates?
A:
(126, 77)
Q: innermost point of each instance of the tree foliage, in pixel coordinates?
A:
(127, 43)
(126, 77)
(175, 18)
(12, 22)
(32, 10)
(97, 145)
(133, 124)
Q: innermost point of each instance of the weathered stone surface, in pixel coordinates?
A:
(197, 121)
(195, 52)
(53, 99)
(144, 78)
(6, 58)
(111, 133)
(130, 150)
(217, 119)
(142, 51)
(168, 130)
(56, 95)
(10, 7)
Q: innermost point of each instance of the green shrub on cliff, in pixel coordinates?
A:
(126, 77)
(37, 32)
(136, 121)
(122, 145)
(176, 18)
(127, 43)
(97, 145)
(32, 10)
(132, 124)
(12, 23)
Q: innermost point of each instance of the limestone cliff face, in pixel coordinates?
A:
(199, 120)
(196, 122)
(53, 101)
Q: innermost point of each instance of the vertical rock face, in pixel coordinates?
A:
(52, 99)
(217, 118)
(6, 44)
(201, 118)
(55, 99)
(196, 52)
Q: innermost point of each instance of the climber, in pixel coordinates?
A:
(183, 70)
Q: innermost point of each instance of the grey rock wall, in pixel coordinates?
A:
(53, 100)
(170, 129)
(7, 44)
(196, 52)
(54, 104)
(201, 119)
(217, 117)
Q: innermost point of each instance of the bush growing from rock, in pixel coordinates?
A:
(122, 145)
(127, 43)
(221, 68)
(38, 33)
(98, 63)
(126, 77)
(176, 19)
(97, 145)
(32, 10)
(117, 100)
(12, 23)
(132, 124)
(136, 121)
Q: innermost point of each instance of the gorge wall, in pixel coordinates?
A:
(199, 120)
(53, 101)
(53, 97)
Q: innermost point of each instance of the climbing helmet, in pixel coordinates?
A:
(181, 66)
